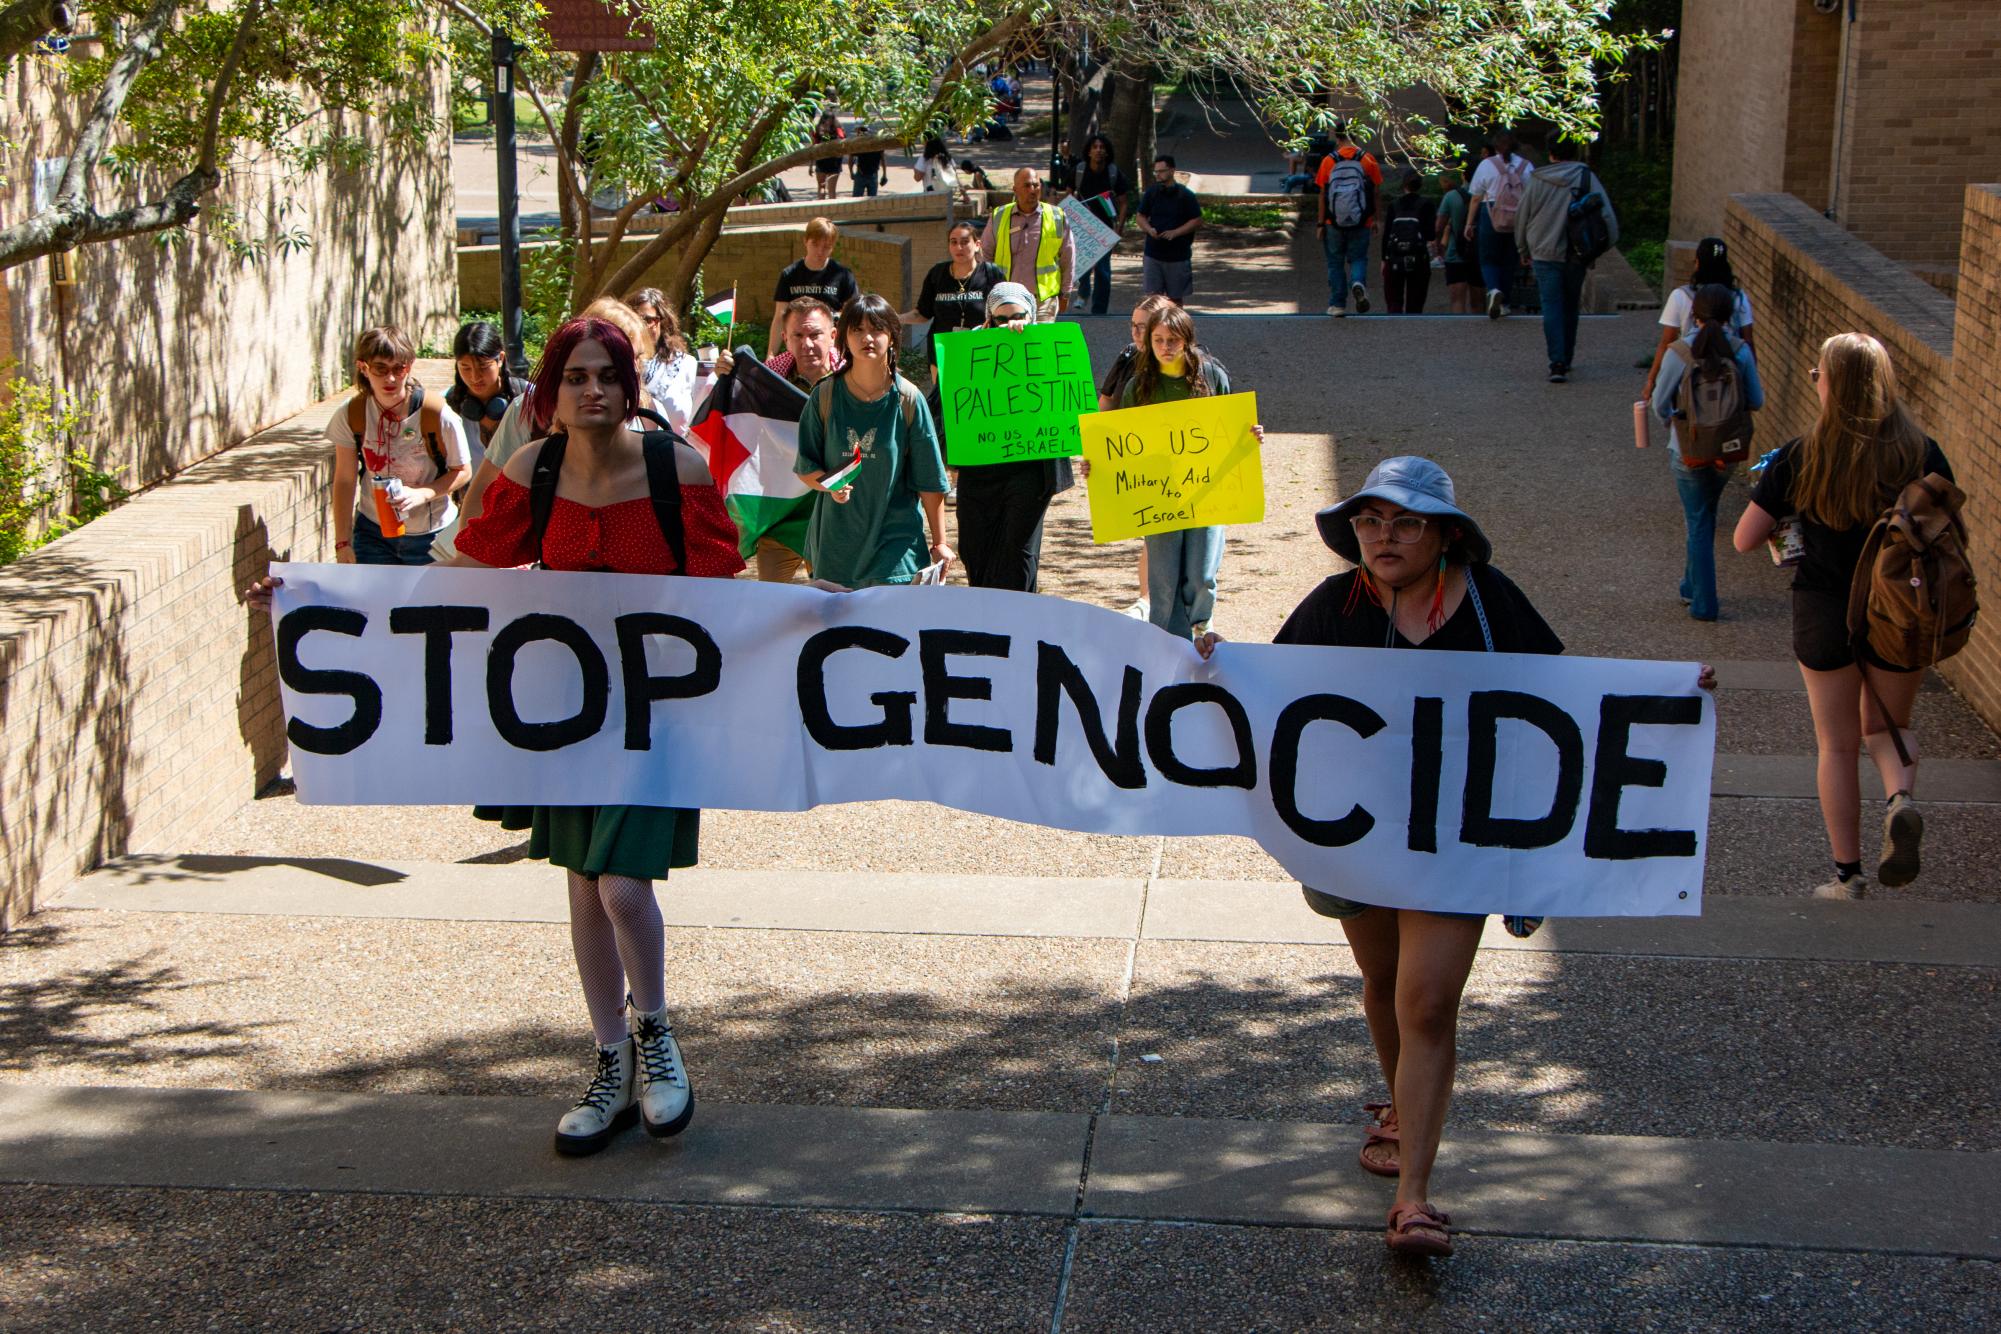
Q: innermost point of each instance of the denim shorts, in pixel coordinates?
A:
(1333, 905)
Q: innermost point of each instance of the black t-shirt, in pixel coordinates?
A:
(834, 284)
(1517, 626)
(1168, 205)
(1110, 182)
(1829, 563)
(954, 303)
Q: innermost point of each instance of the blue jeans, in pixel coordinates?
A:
(1498, 257)
(1095, 284)
(868, 188)
(1347, 250)
(1701, 490)
(372, 548)
(1562, 287)
(1181, 578)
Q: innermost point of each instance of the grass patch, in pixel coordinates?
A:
(527, 120)
(1641, 185)
(1260, 217)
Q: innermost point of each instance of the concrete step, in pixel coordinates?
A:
(1884, 931)
(1183, 1169)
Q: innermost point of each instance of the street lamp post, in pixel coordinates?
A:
(509, 186)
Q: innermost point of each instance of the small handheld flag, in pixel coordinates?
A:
(722, 306)
(843, 477)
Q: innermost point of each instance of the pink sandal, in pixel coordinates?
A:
(1383, 1131)
(1418, 1229)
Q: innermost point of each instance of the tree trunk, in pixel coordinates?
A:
(1130, 123)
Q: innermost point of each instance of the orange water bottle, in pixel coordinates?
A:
(386, 517)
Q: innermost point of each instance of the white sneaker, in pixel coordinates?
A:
(1903, 828)
(1493, 303)
(1338, 312)
(1854, 887)
(1139, 610)
(666, 1102)
(606, 1108)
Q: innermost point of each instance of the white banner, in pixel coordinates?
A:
(1452, 781)
(1094, 236)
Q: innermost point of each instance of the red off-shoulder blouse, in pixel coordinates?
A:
(623, 538)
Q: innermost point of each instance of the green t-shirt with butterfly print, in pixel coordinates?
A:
(878, 536)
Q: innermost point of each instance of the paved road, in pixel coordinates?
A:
(965, 1073)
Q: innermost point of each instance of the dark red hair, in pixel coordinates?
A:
(556, 357)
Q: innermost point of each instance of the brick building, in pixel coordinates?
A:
(1877, 113)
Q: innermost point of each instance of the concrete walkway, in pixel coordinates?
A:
(961, 1073)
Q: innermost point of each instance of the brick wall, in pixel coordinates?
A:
(1974, 437)
(138, 699)
(921, 217)
(1808, 279)
(1921, 118)
(215, 349)
(1730, 106)
(748, 258)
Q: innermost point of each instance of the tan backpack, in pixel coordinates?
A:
(1913, 599)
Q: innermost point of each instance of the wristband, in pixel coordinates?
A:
(339, 545)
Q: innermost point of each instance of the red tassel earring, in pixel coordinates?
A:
(1437, 617)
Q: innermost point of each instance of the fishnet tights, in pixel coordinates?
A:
(620, 944)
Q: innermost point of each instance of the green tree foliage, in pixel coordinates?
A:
(48, 485)
(184, 90)
(726, 101)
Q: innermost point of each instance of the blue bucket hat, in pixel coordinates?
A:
(1415, 484)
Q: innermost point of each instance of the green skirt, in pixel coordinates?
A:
(643, 842)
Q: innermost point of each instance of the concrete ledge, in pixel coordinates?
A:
(1959, 934)
(828, 1157)
(1793, 776)
(1597, 1187)
(531, 892)
(1962, 934)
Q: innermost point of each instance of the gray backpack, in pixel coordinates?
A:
(1712, 419)
(1348, 192)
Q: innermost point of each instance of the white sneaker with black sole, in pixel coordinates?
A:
(1338, 312)
(606, 1108)
(1903, 828)
(1360, 296)
(1493, 303)
(666, 1100)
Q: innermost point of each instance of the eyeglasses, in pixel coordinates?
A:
(1403, 530)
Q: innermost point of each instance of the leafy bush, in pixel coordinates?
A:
(48, 485)
(1262, 217)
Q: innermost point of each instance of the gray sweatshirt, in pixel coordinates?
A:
(1540, 226)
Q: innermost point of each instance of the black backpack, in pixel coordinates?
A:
(1404, 243)
(1586, 234)
(663, 481)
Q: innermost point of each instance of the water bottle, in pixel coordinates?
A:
(387, 491)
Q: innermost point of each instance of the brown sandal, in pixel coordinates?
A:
(1418, 1229)
(1382, 1132)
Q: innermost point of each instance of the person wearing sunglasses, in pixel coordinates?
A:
(481, 388)
(1424, 579)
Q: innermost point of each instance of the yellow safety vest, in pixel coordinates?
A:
(1048, 273)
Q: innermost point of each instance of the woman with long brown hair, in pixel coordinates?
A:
(1834, 481)
(1181, 566)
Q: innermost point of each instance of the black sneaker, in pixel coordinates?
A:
(1361, 295)
(1556, 376)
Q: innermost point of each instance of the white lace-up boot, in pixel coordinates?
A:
(607, 1106)
(666, 1101)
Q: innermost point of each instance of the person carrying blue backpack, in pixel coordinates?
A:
(1348, 181)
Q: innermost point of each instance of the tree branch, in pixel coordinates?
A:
(212, 114)
(26, 22)
(118, 81)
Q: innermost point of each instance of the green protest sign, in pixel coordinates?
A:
(1012, 394)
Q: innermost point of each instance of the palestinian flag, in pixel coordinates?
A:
(722, 306)
(750, 428)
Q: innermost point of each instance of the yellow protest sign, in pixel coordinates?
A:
(1187, 464)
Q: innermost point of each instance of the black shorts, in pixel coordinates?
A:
(1820, 634)
(1459, 271)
